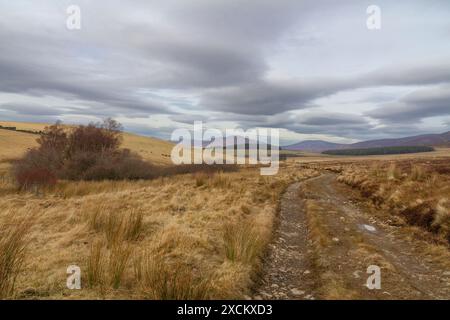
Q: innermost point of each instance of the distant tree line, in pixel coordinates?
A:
(20, 130)
(379, 151)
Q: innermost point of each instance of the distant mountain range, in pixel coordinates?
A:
(421, 140)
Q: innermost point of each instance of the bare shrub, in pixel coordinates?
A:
(95, 138)
(86, 153)
(36, 169)
(35, 178)
(54, 138)
(108, 165)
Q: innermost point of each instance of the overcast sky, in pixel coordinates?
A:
(311, 68)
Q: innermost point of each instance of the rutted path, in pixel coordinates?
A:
(357, 239)
(287, 272)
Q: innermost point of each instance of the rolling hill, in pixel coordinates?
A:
(13, 144)
(420, 140)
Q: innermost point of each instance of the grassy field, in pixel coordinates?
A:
(417, 191)
(190, 236)
(308, 157)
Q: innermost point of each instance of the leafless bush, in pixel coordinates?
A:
(86, 153)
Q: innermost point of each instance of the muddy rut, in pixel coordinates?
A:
(356, 238)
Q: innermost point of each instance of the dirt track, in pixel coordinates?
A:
(297, 268)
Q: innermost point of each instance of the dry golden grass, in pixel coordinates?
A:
(242, 243)
(167, 238)
(160, 279)
(416, 191)
(191, 236)
(12, 252)
(308, 157)
(14, 144)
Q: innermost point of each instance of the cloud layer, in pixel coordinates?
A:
(288, 64)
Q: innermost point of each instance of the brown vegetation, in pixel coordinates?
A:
(12, 252)
(166, 238)
(84, 153)
(415, 191)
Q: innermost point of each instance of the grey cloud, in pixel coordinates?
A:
(271, 97)
(189, 118)
(220, 54)
(268, 97)
(409, 74)
(32, 109)
(415, 106)
(340, 124)
(319, 122)
(332, 119)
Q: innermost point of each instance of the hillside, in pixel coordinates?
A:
(420, 140)
(13, 143)
(439, 140)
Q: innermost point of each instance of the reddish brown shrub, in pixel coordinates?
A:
(35, 177)
(95, 138)
(118, 165)
(87, 153)
(37, 168)
(53, 138)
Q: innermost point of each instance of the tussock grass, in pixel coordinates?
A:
(393, 172)
(160, 279)
(114, 228)
(12, 254)
(200, 179)
(417, 173)
(241, 243)
(96, 266)
(117, 226)
(119, 257)
(133, 225)
(442, 217)
(106, 266)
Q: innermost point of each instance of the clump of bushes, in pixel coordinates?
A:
(89, 152)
